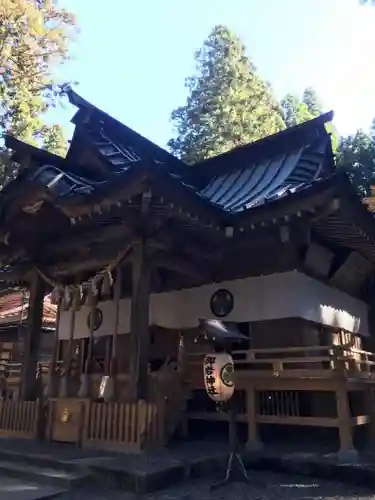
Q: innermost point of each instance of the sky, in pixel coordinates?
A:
(131, 57)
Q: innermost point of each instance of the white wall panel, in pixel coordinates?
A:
(275, 296)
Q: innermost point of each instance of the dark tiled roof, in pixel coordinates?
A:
(261, 182)
(268, 179)
(243, 178)
(116, 142)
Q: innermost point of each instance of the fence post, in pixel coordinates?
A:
(161, 413)
(2, 404)
(347, 452)
(370, 410)
(40, 407)
(253, 441)
(141, 423)
(85, 433)
(39, 424)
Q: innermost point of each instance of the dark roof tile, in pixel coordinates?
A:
(244, 178)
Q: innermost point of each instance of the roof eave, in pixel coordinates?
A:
(288, 139)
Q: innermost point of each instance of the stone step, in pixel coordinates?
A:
(21, 490)
(42, 475)
(38, 459)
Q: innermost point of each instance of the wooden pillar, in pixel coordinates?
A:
(67, 365)
(344, 420)
(33, 338)
(181, 355)
(86, 381)
(368, 394)
(111, 390)
(182, 373)
(253, 441)
(52, 384)
(347, 452)
(139, 322)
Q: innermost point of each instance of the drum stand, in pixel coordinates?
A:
(235, 471)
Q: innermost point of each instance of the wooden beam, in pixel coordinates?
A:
(80, 205)
(92, 261)
(145, 204)
(111, 235)
(139, 322)
(178, 265)
(33, 338)
(173, 238)
(329, 208)
(87, 238)
(308, 201)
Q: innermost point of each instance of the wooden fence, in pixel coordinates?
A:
(19, 418)
(285, 386)
(298, 362)
(130, 426)
(281, 403)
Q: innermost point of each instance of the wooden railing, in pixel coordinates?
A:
(131, 426)
(19, 418)
(171, 393)
(282, 403)
(10, 377)
(282, 386)
(311, 361)
(14, 368)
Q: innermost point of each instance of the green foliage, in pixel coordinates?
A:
(34, 39)
(294, 111)
(8, 168)
(297, 111)
(312, 102)
(228, 104)
(54, 139)
(356, 155)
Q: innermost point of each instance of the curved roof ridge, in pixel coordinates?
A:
(164, 155)
(286, 140)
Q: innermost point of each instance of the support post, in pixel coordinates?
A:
(347, 452)
(65, 380)
(139, 323)
(111, 390)
(85, 388)
(52, 384)
(181, 358)
(253, 441)
(370, 410)
(33, 338)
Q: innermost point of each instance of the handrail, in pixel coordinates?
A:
(273, 350)
(286, 350)
(16, 366)
(308, 360)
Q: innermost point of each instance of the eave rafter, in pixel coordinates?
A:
(150, 195)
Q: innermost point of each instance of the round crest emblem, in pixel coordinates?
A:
(227, 375)
(65, 416)
(95, 316)
(221, 303)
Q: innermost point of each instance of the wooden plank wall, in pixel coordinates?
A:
(19, 418)
(131, 426)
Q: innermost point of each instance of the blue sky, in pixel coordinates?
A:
(131, 57)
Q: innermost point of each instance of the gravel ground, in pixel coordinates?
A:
(264, 486)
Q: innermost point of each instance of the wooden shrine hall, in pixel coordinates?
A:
(14, 305)
(137, 248)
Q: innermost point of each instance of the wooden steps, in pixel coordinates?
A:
(41, 470)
